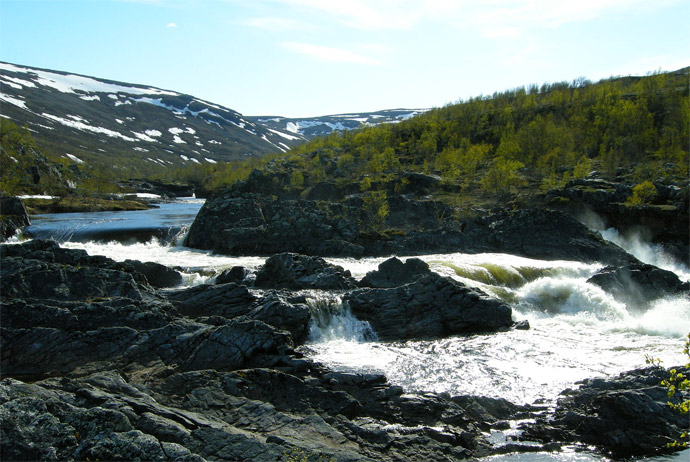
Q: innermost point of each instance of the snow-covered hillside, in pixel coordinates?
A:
(85, 118)
(311, 127)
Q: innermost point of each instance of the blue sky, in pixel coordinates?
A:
(302, 58)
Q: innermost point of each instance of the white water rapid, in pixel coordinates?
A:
(577, 330)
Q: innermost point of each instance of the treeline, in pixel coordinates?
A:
(540, 136)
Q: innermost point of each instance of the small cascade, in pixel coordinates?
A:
(332, 320)
(647, 252)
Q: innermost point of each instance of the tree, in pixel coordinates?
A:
(502, 177)
(375, 208)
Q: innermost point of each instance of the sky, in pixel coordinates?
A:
(301, 58)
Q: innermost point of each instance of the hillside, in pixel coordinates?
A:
(618, 147)
(493, 147)
(141, 130)
(312, 127)
(126, 126)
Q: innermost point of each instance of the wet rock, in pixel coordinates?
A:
(625, 416)
(293, 271)
(236, 274)
(541, 234)
(637, 285)
(394, 273)
(431, 306)
(13, 216)
(78, 274)
(159, 276)
(230, 301)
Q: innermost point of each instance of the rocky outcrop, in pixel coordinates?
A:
(261, 225)
(13, 217)
(90, 276)
(626, 416)
(664, 221)
(425, 305)
(638, 284)
(97, 364)
(293, 271)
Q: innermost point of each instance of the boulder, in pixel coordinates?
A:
(429, 306)
(159, 276)
(625, 416)
(394, 273)
(293, 271)
(638, 284)
(236, 274)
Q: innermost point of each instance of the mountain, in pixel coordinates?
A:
(88, 119)
(311, 127)
(135, 127)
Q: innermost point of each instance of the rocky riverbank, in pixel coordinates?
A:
(256, 224)
(103, 360)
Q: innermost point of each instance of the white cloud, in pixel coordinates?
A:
(329, 54)
(493, 18)
(171, 24)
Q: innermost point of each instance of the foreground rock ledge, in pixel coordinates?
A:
(97, 364)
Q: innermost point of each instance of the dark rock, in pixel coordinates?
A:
(664, 222)
(292, 271)
(26, 278)
(13, 216)
(324, 191)
(637, 285)
(256, 224)
(284, 316)
(260, 225)
(394, 273)
(541, 234)
(157, 275)
(230, 301)
(430, 306)
(626, 416)
(236, 274)
(71, 262)
(227, 300)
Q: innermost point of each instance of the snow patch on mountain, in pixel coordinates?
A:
(70, 83)
(86, 127)
(74, 158)
(14, 101)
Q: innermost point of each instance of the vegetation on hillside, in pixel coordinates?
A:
(26, 170)
(485, 150)
(534, 138)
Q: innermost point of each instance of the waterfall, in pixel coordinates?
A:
(333, 320)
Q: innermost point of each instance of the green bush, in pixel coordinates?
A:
(643, 193)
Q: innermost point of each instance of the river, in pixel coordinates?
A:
(577, 330)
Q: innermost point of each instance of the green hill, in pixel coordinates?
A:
(515, 144)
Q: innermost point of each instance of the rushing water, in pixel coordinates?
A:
(577, 330)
